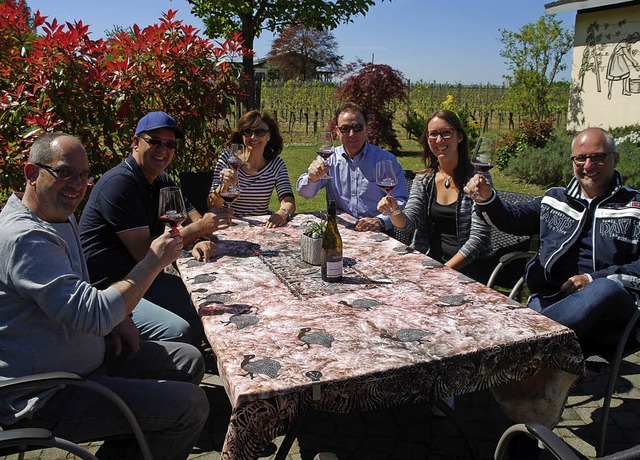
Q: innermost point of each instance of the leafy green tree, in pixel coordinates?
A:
(251, 18)
(298, 52)
(375, 87)
(534, 56)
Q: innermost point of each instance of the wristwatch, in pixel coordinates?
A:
(286, 212)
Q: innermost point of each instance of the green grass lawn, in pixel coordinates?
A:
(298, 157)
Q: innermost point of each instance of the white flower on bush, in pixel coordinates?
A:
(631, 137)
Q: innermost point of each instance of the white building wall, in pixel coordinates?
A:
(605, 75)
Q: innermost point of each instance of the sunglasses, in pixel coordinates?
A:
(248, 132)
(445, 134)
(153, 142)
(346, 129)
(65, 173)
(596, 159)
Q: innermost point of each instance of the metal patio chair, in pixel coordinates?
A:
(553, 444)
(24, 439)
(628, 342)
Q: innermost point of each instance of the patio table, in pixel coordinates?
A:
(399, 329)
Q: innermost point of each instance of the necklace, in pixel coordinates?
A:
(447, 180)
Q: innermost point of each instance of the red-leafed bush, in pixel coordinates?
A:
(55, 77)
(375, 87)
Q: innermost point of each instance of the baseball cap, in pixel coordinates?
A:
(157, 120)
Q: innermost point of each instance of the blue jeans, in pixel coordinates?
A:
(597, 313)
(159, 385)
(169, 292)
(157, 323)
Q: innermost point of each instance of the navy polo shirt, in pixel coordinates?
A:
(123, 199)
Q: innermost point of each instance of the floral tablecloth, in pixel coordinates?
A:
(400, 329)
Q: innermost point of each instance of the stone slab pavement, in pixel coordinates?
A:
(414, 433)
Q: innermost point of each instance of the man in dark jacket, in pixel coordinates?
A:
(588, 231)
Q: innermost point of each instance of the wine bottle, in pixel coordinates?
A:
(331, 259)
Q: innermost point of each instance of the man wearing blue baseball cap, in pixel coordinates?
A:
(121, 219)
(157, 120)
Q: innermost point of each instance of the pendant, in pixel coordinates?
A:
(447, 183)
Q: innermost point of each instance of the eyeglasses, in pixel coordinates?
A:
(65, 173)
(260, 132)
(445, 134)
(596, 159)
(153, 142)
(346, 129)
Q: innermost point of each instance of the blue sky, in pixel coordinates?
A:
(455, 41)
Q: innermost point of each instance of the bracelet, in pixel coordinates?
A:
(395, 212)
(286, 211)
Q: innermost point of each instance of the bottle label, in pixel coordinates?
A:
(334, 269)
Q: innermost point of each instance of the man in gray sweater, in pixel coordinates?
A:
(52, 319)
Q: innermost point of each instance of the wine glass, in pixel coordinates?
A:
(231, 194)
(325, 148)
(482, 158)
(171, 208)
(386, 177)
(236, 155)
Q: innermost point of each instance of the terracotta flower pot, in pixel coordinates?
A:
(311, 249)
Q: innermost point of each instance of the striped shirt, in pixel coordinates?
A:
(256, 190)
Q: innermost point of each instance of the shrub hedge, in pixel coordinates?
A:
(550, 166)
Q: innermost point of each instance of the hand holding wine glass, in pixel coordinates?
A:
(325, 148)
(171, 208)
(386, 179)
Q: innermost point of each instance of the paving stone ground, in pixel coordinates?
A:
(414, 433)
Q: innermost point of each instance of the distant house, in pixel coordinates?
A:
(605, 75)
(260, 68)
(290, 66)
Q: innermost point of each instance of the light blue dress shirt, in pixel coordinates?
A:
(353, 183)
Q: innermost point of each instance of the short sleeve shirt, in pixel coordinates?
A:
(123, 199)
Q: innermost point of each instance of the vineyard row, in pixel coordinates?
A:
(308, 106)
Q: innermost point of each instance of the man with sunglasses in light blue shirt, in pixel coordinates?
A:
(352, 171)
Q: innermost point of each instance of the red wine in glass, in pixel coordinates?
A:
(173, 218)
(387, 185)
(171, 208)
(229, 197)
(482, 154)
(324, 147)
(325, 153)
(482, 167)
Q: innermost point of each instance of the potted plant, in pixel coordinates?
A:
(311, 242)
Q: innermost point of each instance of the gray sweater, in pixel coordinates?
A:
(474, 235)
(51, 318)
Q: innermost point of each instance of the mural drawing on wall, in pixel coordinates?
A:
(622, 60)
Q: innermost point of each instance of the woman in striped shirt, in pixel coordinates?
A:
(263, 170)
